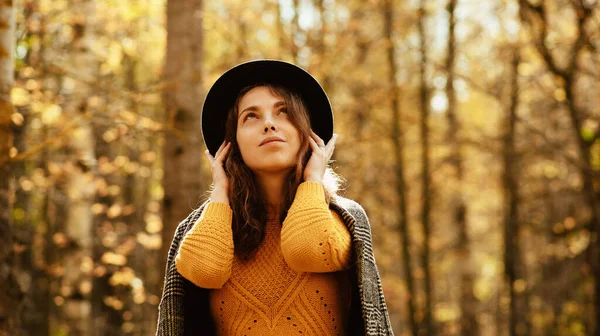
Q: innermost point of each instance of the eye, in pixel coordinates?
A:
(249, 115)
(283, 110)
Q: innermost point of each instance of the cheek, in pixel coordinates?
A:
(243, 143)
(296, 140)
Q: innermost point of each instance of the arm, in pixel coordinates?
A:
(313, 237)
(206, 253)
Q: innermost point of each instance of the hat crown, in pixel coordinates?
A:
(224, 92)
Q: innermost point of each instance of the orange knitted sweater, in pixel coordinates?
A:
(295, 284)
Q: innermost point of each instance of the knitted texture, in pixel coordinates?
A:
(314, 238)
(206, 253)
(184, 307)
(265, 295)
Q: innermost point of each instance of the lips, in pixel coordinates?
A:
(271, 139)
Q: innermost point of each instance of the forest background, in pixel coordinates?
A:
(469, 131)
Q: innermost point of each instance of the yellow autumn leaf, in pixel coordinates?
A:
(122, 277)
(129, 46)
(110, 135)
(520, 285)
(114, 190)
(17, 118)
(114, 211)
(121, 160)
(87, 264)
(446, 312)
(569, 223)
(131, 167)
(153, 222)
(129, 117)
(19, 96)
(85, 287)
(560, 94)
(114, 259)
(128, 209)
(148, 156)
(128, 327)
(482, 289)
(98, 208)
(115, 57)
(51, 114)
(157, 192)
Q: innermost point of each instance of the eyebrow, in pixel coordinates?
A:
(254, 107)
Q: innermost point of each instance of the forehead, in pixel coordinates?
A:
(258, 96)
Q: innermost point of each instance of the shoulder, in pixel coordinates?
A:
(349, 207)
(186, 224)
(347, 204)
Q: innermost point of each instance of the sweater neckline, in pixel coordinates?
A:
(272, 210)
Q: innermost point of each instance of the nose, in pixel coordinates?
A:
(269, 124)
(267, 128)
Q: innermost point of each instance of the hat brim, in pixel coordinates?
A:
(223, 94)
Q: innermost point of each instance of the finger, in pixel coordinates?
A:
(220, 148)
(223, 153)
(313, 145)
(332, 141)
(210, 158)
(331, 145)
(219, 156)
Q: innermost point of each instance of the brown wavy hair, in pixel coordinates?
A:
(249, 208)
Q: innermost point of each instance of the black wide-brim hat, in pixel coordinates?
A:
(224, 92)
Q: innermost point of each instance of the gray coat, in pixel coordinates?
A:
(184, 308)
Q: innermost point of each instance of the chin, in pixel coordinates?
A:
(272, 167)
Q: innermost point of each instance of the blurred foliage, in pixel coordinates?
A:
(91, 123)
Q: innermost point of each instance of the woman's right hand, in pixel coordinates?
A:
(220, 180)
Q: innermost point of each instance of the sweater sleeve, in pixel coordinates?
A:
(206, 253)
(313, 237)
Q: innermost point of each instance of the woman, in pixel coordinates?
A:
(274, 251)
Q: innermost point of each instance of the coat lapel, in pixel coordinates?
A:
(374, 310)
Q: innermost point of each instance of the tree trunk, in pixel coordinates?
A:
(281, 36)
(10, 292)
(144, 204)
(295, 30)
(319, 52)
(105, 318)
(468, 302)
(183, 152)
(536, 17)
(31, 262)
(360, 92)
(511, 192)
(76, 282)
(425, 178)
(44, 251)
(388, 13)
(242, 43)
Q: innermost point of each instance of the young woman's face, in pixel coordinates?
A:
(262, 115)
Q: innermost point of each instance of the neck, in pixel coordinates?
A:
(272, 189)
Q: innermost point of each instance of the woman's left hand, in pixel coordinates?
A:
(321, 153)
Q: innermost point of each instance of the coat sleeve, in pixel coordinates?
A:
(171, 306)
(313, 237)
(374, 307)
